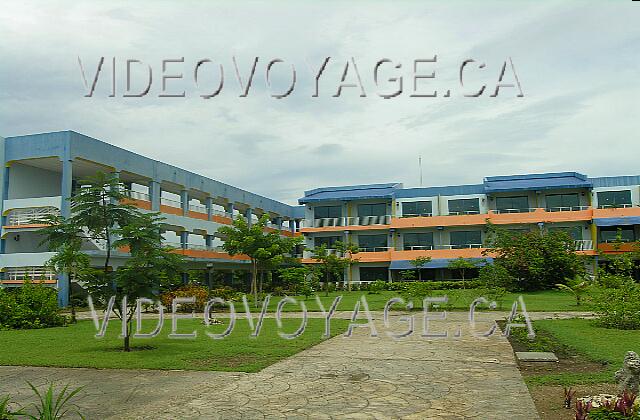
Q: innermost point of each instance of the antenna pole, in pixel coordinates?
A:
(420, 166)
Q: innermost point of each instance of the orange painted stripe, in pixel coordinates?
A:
(198, 215)
(33, 281)
(621, 212)
(35, 225)
(141, 204)
(170, 210)
(609, 248)
(222, 220)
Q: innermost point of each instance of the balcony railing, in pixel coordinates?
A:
(169, 202)
(523, 210)
(376, 249)
(568, 208)
(352, 221)
(417, 214)
(33, 273)
(615, 206)
(198, 208)
(30, 216)
(418, 247)
(136, 195)
(584, 245)
(460, 213)
(459, 246)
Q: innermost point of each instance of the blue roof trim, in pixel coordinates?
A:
(618, 221)
(435, 263)
(436, 191)
(350, 192)
(555, 180)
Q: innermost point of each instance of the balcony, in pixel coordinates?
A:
(348, 223)
(137, 199)
(583, 245)
(30, 217)
(17, 275)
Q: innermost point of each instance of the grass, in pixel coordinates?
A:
(76, 346)
(601, 345)
(549, 300)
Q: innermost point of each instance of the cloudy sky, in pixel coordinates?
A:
(578, 65)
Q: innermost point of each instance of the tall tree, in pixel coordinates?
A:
(538, 259)
(462, 265)
(419, 263)
(333, 263)
(264, 249)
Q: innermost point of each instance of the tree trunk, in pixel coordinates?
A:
(254, 281)
(326, 284)
(419, 274)
(127, 337)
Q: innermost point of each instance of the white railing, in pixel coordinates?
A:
(33, 273)
(169, 202)
(352, 221)
(221, 213)
(524, 210)
(198, 208)
(584, 245)
(136, 195)
(615, 206)
(32, 215)
(568, 208)
(418, 247)
(460, 213)
(376, 249)
(459, 246)
(417, 215)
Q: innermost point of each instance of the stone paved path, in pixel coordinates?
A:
(358, 377)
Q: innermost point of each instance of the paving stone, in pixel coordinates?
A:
(536, 356)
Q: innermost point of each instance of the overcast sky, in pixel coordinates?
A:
(578, 65)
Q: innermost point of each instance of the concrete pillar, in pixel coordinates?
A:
(184, 239)
(66, 186)
(5, 196)
(154, 195)
(279, 222)
(208, 239)
(209, 205)
(184, 201)
(292, 225)
(248, 214)
(229, 209)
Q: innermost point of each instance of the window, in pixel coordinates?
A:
(466, 239)
(560, 202)
(373, 273)
(379, 209)
(574, 231)
(614, 199)
(416, 208)
(610, 233)
(512, 204)
(328, 241)
(322, 212)
(372, 242)
(464, 206)
(418, 241)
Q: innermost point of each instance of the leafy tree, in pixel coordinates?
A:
(301, 279)
(621, 263)
(538, 259)
(98, 215)
(261, 247)
(71, 260)
(419, 263)
(462, 265)
(334, 263)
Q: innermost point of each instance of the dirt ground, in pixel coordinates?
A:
(549, 399)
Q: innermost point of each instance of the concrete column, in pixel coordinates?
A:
(208, 239)
(248, 215)
(292, 225)
(229, 209)
(66, 186)
(5, 196)
(184, 201)
(209, 205)
(279, 222)
(154, 195)
(184, 239)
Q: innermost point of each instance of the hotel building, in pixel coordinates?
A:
(391, 224)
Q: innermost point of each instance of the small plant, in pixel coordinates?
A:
(569, 393)
(576, 286)
(619, 308)
(6, 412)
(51, 406)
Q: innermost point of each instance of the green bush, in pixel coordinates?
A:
(33, 305)
(495, 275)
(619, 307)
(377, 286)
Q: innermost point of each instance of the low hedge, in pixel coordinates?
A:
(438, 285)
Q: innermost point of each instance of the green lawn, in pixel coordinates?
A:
(595, 343)
(76, 346)
(550, 300)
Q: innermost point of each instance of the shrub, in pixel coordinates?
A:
(33, 305)
(417, 291)
(619, 307)
(495, 275)
(377, 286)
(226, 293)
(201, 294)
